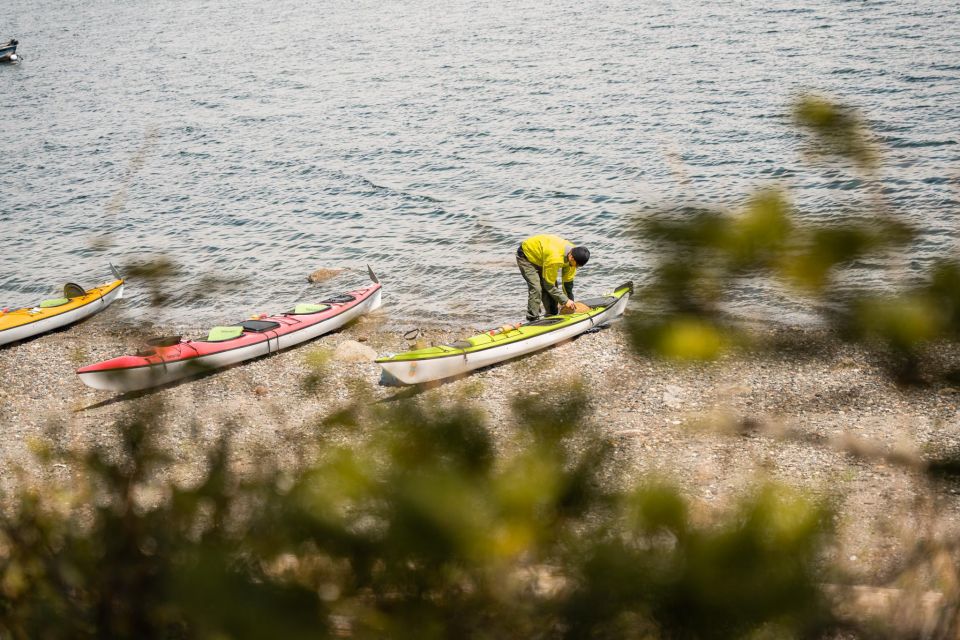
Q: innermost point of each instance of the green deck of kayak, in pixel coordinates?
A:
(483, 341)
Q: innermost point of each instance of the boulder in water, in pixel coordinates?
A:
(321, 275)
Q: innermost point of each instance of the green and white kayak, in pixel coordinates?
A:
(484, 349)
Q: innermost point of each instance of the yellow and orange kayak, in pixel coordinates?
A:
(76, 305)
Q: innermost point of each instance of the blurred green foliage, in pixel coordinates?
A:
(159, 274)
(703, 255)
(425, 529)
(155, 275)
(317, 361)
(835, 130)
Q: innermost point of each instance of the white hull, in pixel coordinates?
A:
(55, 322)
(418, 371)
(139, 378)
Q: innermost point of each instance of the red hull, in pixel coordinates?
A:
(192, 349)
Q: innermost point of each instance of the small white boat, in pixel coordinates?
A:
(484, 349)
(8, 51)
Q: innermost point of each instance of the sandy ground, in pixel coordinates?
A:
(716, 430)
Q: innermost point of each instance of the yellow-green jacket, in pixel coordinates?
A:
(549, 252)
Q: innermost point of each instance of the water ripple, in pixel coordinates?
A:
(263, 140)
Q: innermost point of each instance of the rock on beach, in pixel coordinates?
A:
(353, 351)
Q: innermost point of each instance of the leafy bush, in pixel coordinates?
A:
(423, 530)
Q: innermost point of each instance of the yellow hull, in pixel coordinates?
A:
(23, 323)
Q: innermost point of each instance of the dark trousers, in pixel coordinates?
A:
(538, 298)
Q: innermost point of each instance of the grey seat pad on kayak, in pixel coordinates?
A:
(601, 301)
(259, 325)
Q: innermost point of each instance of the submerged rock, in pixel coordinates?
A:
(321, 275)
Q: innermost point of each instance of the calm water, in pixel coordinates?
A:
(256, 141)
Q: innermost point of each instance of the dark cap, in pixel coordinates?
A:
(581, 255)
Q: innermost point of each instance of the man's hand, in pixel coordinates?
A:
(568, 307)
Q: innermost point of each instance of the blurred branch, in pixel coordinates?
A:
(703, 255)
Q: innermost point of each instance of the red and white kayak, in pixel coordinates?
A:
(169, 359)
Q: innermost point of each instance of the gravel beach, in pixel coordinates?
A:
(828, 422)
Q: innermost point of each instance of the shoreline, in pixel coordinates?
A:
(716, 430)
